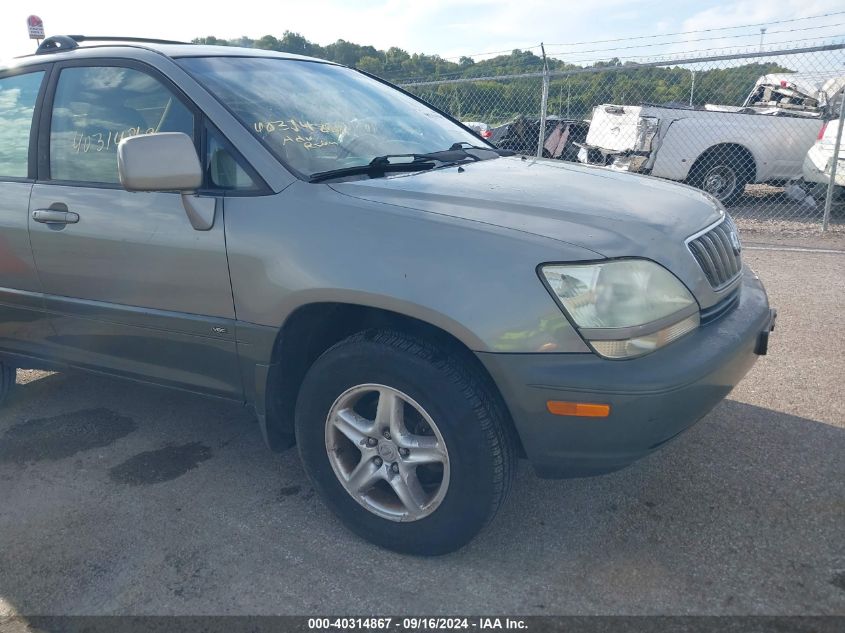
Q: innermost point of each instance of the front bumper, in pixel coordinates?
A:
(652, 399)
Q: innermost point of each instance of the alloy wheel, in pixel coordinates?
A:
(387, 452)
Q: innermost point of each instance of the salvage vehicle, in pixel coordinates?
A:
(482, 129)
(411, 307)
(719, 149)
(561, 139)
(818, 162)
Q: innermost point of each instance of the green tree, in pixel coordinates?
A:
(269, 43)
(498, 101)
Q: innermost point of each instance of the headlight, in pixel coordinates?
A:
(624, 308)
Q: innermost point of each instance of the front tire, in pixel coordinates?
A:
(407, 444)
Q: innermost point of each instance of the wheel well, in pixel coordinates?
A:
(314, 328)
(734, 151)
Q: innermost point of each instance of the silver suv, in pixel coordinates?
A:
(410, 306)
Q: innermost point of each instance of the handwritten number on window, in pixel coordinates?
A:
(104, 140)
(289, 127)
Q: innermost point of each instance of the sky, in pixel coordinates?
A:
(449, 28)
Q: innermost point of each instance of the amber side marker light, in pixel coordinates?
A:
(579, 409)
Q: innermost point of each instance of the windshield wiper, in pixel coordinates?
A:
(466, 145)
(381, 165)
(372, 169)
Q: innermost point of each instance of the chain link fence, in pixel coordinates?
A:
(757, 130)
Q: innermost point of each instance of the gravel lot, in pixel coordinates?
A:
(117, 498)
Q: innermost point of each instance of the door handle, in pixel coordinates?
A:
(55, 216)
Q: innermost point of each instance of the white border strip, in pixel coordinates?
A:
(793, 249)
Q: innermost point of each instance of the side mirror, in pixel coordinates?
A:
(166, 161)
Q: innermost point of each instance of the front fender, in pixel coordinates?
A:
(477, 282)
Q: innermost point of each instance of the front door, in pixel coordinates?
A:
(132, 287)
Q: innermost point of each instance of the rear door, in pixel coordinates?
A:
(132, 287)
(24, 326)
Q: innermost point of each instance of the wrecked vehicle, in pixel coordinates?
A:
(560, 141)
(482, 129)
(818, 162)
(717, 148)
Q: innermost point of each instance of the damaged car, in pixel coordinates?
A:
(717, 148)
(561, 137)
(818, 163)
(480, 128)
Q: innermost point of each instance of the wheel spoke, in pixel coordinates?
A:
(390, 413)
(364, 476)
(407, 487)
(424, 450)
(425, 456)
(352, 425)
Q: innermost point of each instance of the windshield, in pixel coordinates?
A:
(320, 117)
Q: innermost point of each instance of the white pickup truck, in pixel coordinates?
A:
(717, 148)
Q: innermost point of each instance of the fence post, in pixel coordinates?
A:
(828, 201)
(692, 88)
(544, 104)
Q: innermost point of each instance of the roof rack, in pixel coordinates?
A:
(57, 43)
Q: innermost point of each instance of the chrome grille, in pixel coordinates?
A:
(718, 253)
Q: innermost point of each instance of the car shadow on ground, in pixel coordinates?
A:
(160, 502)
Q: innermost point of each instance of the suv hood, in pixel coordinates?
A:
(613, 214)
